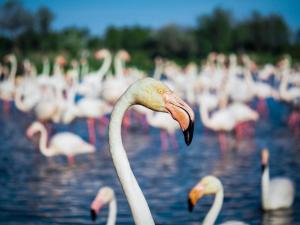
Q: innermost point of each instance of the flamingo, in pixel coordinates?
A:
(156, 96)
(114, 87)
(288, 94)
(7, 87)
(221, 120)
(242, 114)
(91, 85)
(43, 78)
(64, 143)
(277, 193)
(167, 125)
(105, 195)
(26, 97)
(48, 108)
(210, 185)
(90, 108)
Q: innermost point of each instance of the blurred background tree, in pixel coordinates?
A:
(267, 36)
(214, 32)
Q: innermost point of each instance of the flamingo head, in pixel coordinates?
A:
(124, 55)
(157, 96)
(10, 58)
(74, 63)
(104, 196)
(100, 54)
(208, 185)
(83, 61)
(60, 60)
(158, 60)
(264, 158)
(33, 129)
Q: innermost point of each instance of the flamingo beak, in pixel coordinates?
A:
(195, 194)
(95, 208)
(29, 133)
(182, 113)
(93, 215)
(264, 159)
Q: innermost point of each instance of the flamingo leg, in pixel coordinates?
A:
(103, 122)
(174, 141)
(6, 106)
(126, 121)
(262, 108)
(145, 123)
(239, 131)
(164, 140)
(48, 127)
(91, 129)
(71, 160)
(222, 142)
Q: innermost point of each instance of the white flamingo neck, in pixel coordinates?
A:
(46, 68)
(43, 142)
(204, 115)
(137, 202)
(57, 70)
(112, 216)
(249, 80)
(150, 117)
(18, 101)
(158, 72)
(13, 69)
(84, 69)
(118, 67)
(105, 66)
(265, 182)
(214, 211)
(284, 83)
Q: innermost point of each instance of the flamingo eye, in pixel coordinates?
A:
(160, 91)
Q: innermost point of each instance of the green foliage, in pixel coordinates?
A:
(14, 18)
(214, 32)
(30, 33)
(173, 41)
(44, 18)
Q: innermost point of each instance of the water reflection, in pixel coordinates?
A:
(38, 190)
(278, 217)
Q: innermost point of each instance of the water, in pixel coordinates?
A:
(38, 190)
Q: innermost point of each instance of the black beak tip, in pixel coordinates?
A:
(263, 167)
(190, 205)
(188, 133)
(93, 215)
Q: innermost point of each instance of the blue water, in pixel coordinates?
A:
(39, 190)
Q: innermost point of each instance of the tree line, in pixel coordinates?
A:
(268, 36)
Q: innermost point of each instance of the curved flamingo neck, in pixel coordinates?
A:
(204, 115)
(265, 186)
(43, 142)
(214, 211)
(105, 66)
(57, 69)
(112, 216)
(118, 67)
(13, 69)
(157, 72)
(249, 80)
(46, 68)
(283, 88)
(84, 69)
(19, 103)
(137, 202)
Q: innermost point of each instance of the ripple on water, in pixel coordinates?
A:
(37, 190)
